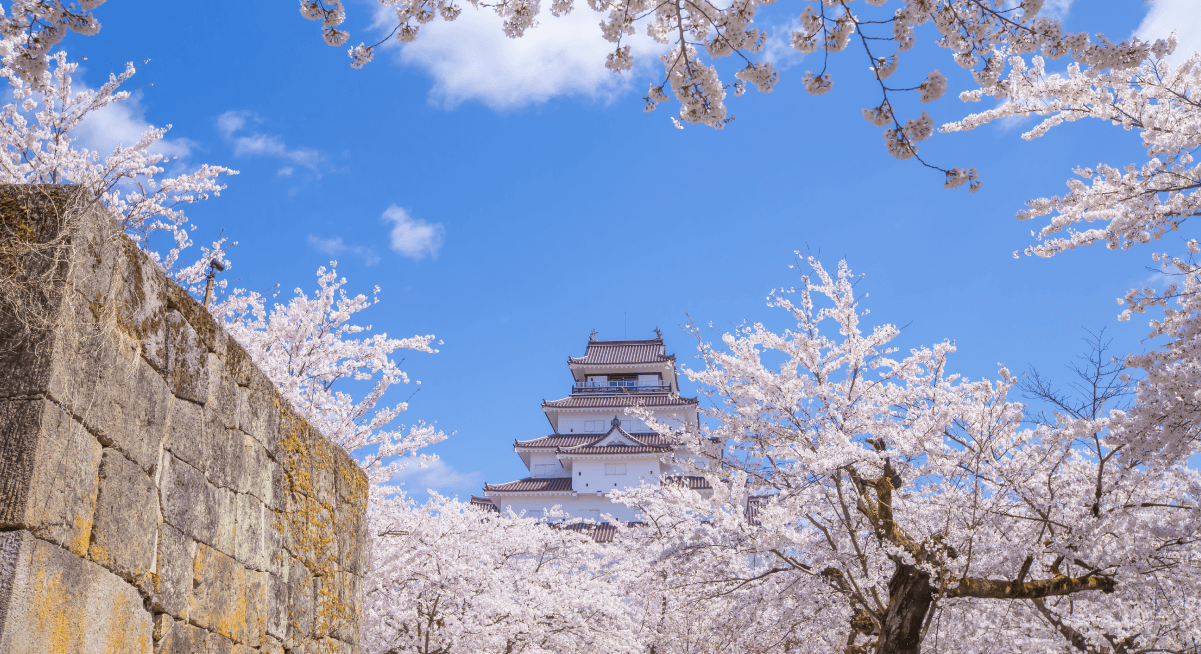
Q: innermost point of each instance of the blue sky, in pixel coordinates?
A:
(510, 197)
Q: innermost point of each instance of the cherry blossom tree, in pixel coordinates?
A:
(981, 35)
(448, 578)
(311, 350)
(899, 506)
(36, 131)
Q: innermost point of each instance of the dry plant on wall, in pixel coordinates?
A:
(36, 249)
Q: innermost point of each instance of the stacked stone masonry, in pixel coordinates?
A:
(156, 492)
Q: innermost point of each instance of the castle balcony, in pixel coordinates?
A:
(594, 388)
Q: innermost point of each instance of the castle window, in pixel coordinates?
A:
(594, 426)
(615, 468)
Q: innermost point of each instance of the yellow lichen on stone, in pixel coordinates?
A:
(309, 523)
(56, 620)
(83, 534)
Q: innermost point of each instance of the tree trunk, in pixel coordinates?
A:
(909, 598)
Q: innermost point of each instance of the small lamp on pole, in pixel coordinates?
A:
(215, 267)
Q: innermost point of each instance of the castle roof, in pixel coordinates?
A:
(533, 485)
(623, 352)
(689, 481)
(484, 503)
(618, 401)
(567, 441)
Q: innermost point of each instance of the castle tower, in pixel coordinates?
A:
(595, 448)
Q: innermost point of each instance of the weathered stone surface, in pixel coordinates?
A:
(197, 316)
(103, 382)
(344, 592)
(259, 412)
(178, 637)
(276, 619)
(238, 363)
(271, 646)
(234, 473)
(260, 468)
(350, 518)
(58, 602)
(187, 360)
(300, 605)
(173, 584)
(126, 525)
(196, 437)
(218, 644)
(250, 547)
(195, 507)
(256, 607)
(48, 473)
(222, 393)
(29, 353)
(218, 599)
(137, 438)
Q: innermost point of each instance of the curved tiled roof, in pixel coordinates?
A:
(484, 503)
(618, 401)
(558, 440)
(565, 441)
(690, 481)
(532, 484)
(617, 352)
(617, 449)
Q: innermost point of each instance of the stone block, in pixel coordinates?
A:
(27, 357)
(218, 644)
(195, 507)
(173, 582)
(187, 360)
(342, 600)
(250, 546)
(218, 599)
(238, 363)
(57, 602)
(276, 618)
(178, 637)
(273, 539)
(186, 436)
(222, 393)
(102, 381)
(127, 517)
(259, 412)
(49, 469)
(197, 317)
(257, 584)
(271, 646)
(231, 469)
(300, 604)
(350, 518)
(260, 468)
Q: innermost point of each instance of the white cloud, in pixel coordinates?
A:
(1057, 9)
(471, 59)
(335, 247)
(255, 144)
(414, 238)
(286, 171)
(123, 123)
(439, 476)
(1183, 16)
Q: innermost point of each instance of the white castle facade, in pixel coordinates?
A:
(594, 447)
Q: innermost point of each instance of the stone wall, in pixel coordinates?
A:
(156, 493)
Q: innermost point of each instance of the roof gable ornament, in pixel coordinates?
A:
(658, 334)
(615, 422)
(592, 336)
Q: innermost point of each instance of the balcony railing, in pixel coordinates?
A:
(593, 387)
